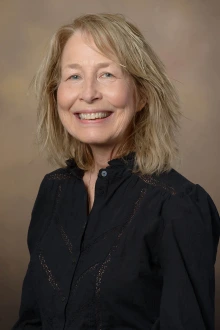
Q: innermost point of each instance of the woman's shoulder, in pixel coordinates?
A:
(71, 170)
(172, 182)
(177, 181)
(191, 209)
(61, 173)
(189, 213)
(187, 203)
(45, 204)
(185, 193)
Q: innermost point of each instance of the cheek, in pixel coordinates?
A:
(65, 97)
(63, 105)
(65, 118)
(123, 97)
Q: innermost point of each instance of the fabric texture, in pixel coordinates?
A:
(142, 259)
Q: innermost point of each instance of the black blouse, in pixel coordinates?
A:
(142, 259)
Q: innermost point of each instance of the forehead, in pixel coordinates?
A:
(80, 47)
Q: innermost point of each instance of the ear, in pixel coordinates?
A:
(141, 103)
(140, 98)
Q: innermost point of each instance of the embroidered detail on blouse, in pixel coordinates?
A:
(59, 192)
(50, 276)
(66, 239)
(60, 227)
(90, 269)
(58, 197)
(59, 176)
(108, 259)
(156, 183)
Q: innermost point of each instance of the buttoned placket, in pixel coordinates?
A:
(100, 191)
(100, 187)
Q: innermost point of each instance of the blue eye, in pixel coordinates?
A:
(74, 77)
(108, 75)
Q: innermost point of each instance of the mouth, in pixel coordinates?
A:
(93, 115)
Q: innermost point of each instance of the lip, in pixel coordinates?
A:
(92, 121)
(91, 111)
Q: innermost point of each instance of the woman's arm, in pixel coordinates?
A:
(187, 257)
(29, 313)
(29, 316)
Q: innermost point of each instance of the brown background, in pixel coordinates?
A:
(185, 34)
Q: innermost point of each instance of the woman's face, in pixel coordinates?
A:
(96, 100)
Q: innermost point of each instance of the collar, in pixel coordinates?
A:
(116, 167)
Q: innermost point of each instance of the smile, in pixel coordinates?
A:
(94, 115)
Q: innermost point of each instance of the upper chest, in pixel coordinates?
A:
(123, 202)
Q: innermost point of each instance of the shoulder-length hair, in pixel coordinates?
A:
(153, 137)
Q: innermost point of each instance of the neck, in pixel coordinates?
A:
(102, 156)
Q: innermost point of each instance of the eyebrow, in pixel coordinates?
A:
(78, 66)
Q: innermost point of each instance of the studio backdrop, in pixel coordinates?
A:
(185, 34)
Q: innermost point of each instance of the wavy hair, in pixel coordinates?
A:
(153, 137)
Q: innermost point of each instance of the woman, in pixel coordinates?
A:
(118, 239)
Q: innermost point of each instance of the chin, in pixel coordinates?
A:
(96, 141)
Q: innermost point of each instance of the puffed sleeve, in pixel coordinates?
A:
(187, 256)
(29, 315)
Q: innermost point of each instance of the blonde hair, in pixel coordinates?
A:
(154, 127)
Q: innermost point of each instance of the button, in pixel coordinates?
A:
(63, 298)
(104, 173)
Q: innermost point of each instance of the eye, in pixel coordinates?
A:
(107, 75)
(74, 77)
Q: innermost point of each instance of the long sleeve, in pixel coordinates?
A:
(187, 256)
(29, 315)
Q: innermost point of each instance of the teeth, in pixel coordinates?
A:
(94, 115)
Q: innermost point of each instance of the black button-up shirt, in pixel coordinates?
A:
(142, 259)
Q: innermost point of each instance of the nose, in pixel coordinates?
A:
(90, 91)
